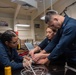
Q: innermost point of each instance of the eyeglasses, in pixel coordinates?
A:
(14, 42)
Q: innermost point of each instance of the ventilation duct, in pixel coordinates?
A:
(32, 3)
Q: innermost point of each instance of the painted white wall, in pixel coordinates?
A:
(7, 20)
(24, 32)
(39, 32)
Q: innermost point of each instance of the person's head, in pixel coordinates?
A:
(53, 19)
(50, 32)
(9, 38)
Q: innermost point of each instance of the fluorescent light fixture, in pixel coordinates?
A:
(23, 25)
(42, 18)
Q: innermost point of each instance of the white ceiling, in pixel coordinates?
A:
(11, 8)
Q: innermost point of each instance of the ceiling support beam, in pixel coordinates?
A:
(17, 11)
(15, 15)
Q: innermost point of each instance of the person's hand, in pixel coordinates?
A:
(27, 61)
(27, 58)
(31, 53)
(43, 61)
(37, 57)
(26, 64)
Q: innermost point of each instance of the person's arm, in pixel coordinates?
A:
(4, 59)
(20, 59)
(39, 56)
(17, 58)
(44, 43)
(39, 47)
(36, 49)
(69, 34)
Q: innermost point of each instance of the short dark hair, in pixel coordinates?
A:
(49, 15)
(7, 36)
